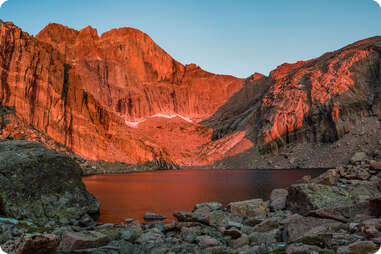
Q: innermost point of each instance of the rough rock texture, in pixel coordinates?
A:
(212, 228)
(90, 93)
(312, 102)
(120, 97)
(41, 185)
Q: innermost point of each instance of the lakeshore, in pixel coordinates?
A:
(338, 211)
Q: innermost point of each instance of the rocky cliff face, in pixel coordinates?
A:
(91, 93)
(120, 97)
(317, 101)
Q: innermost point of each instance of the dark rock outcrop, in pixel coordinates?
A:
(41, 185)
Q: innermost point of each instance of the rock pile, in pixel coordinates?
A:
(336, 212)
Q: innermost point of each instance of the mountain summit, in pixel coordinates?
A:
(120, 97)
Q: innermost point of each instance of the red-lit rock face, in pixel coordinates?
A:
(84, 91)
(120, 97)
(128, 73)
(307, 102)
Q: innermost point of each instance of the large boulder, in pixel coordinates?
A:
(37, 244)
(303, 198)
(83, 240)
(253, 207)
(41, 185)
(278, 199)
(298, 227)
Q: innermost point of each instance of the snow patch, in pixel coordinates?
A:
(173, 116)
(135, 124)
(132, 124)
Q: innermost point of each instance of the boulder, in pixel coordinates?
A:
(361, 191)
(206, 241)
(233, 232)
(278, 199)
(359, 247)
(152, 235)
(258, 238)
(328, 178)
(218, 218)
(302, 249)
(153, 216)
(41, 185)
(83, 240)
(299, 227)
(251, 207)
(266, 225)
(346, 213)
(38, 244)
(375, 165)
(358, 157)
(303, 198)
(190, 217)
(240, 242)
(210, 205)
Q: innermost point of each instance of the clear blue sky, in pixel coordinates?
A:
(237, 37)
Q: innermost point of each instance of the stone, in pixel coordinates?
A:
(152, 216)
(258, 238)
(212, 206)
(150, 236)
(375, 206)
(218, 218)
(240, 242)
(86, 221)
(190, 217)
(278, 199)
(83, 240)
(359, 247)
(38, 244)
(375, 165)
(253, 207)
(202, 210)
(206, 241)
(266, 225)
(129, 220)
(42, 185)
(327, 178)
(233, 232)
(303, 198)
(252, 221)
(358, 157)
(299, 227)
(302, 249)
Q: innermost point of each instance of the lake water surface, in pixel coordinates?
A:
(164, 192)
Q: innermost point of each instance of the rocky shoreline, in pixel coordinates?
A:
(336, 212)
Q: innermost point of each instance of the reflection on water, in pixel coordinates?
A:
(164, 192)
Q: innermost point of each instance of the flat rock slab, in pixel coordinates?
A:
(153, 216)
(303, 198)
(299, 227)
(83, 240)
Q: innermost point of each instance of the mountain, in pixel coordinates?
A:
(120, 97)
(101, 96)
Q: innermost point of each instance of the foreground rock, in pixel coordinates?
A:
(41, 185)
(337, 212)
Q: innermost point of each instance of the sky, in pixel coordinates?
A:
(235, 37)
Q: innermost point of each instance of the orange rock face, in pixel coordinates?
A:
(120, 97)
(90, 92)
(313, 101)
